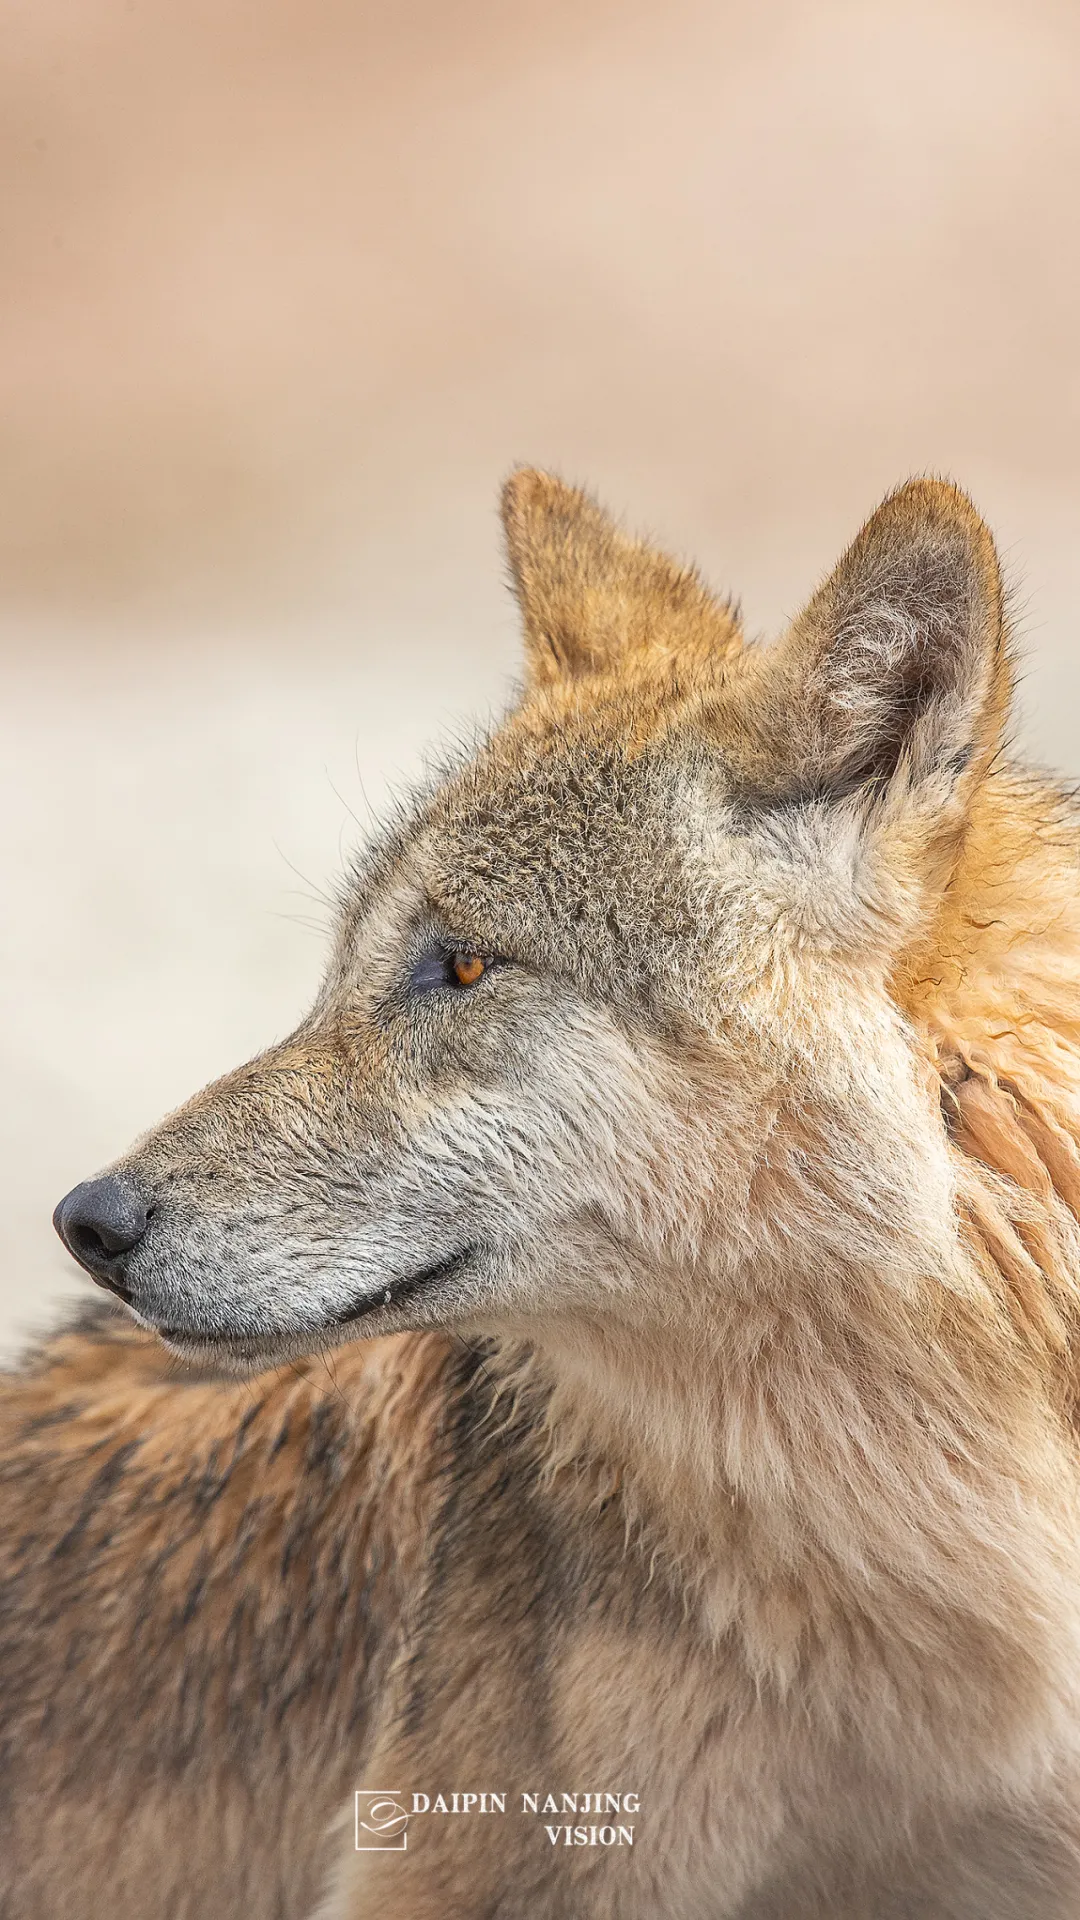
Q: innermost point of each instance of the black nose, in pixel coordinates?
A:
(99, 1222)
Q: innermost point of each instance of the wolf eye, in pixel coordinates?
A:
(452, 967)
(467, 968)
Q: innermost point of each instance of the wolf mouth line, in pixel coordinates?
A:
(399, 1291)
(261, 1341)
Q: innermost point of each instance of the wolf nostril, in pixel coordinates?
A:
(99, 1223)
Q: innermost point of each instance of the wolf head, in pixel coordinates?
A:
(610, 1023)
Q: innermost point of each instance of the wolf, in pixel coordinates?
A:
(629, 1330)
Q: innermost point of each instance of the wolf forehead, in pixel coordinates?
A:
(561, 848)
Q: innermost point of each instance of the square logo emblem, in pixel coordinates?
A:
(382, 1823)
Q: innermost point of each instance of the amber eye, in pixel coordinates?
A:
(444, 966)
(467, 968)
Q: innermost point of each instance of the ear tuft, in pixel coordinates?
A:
(596, 602)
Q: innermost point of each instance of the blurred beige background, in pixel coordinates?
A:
(287, 289)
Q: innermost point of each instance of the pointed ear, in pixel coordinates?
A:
(897, 667)
(595, 602)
